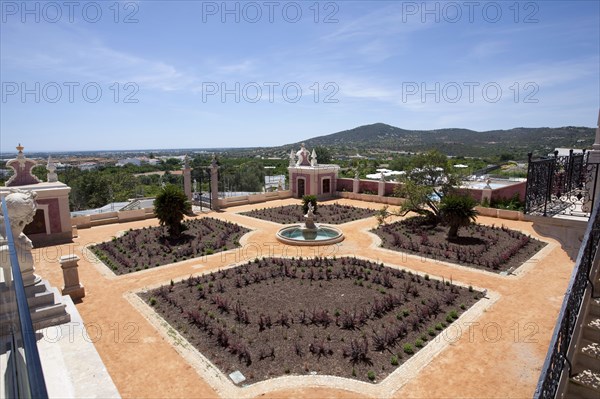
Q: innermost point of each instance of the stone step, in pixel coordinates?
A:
(51, 320)
(585, 384)
(46, 312)
(591, 328)
(589, 356)
(595, 305)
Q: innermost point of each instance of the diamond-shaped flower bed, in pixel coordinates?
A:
(329, 214)
(346, 317)
(490, 248)
(151, 246)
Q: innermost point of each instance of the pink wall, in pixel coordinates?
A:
(347, 184)
(505, 192)
(53, 213)
(508, 191)
(344, 184)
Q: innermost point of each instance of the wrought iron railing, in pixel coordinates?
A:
(556, 359)
(561, 185)
(23, 378)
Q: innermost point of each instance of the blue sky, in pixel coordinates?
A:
(181, 74)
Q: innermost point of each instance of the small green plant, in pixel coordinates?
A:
(439, 327)
(431, 332)
(152, 301)
(371, 375)
(408, 349)
(394, 360)
(419, 343)
(453, 314)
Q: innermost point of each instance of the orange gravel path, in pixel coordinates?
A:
(500, 355)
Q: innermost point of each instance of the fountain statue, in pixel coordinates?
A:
(309, 229)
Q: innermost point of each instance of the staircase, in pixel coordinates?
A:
(45, 305)
(585, 375)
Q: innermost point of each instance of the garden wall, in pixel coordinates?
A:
(371, 198)
(500, 213)
(254, 198)
(347, 184)
(496, 194)
(99, 219)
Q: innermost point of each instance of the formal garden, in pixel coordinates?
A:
(492, 248)
(151, 247)
(329, 214)
(347, 317)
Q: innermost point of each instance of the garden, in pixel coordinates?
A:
(329, 214)
(152, 246)
(346, 317)
(489, 248)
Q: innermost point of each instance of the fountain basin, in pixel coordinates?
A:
(300, 235)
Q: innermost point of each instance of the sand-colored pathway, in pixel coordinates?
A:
(500, 354)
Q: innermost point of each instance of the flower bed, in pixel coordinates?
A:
(329, 214)
(346, 317)
(490, 248)
(151, 247)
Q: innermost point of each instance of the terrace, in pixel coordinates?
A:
(496, 347)
(504, 339)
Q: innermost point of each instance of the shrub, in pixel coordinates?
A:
(394, 360)
(457, 211)
(170, 206)
(408, 349)
(419, 343)
(371, 375)
(152, 301)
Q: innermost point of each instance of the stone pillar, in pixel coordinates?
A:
(356, 184)
(73, 288)
(214, 184)
(381, 186)
(187, 179)
(594, 158)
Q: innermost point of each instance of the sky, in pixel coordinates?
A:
(148, 74)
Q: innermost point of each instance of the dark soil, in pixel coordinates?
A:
(328, 214)
(490, 248)
(346, 317)
(152, 247)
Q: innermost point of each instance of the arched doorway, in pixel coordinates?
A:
(326, 186)
(301, 188)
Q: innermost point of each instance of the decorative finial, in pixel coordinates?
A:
(313, 158)
(51, 168)
(292, 158)
(20, 148)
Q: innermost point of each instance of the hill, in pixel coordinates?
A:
(518, 142)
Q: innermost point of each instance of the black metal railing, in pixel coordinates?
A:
(561, 185)
(556, 359)
(24, 377)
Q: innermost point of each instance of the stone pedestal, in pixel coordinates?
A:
(187, 179)
(214, 184)
(381, 188)
(355, 185)
(73, 288)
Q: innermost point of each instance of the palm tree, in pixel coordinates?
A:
(170, 206)
(457, 211)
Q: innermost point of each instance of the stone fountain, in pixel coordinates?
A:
(310, 233)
